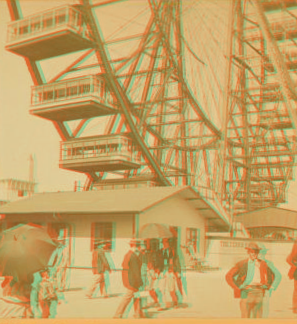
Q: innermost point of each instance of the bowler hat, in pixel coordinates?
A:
(253, 246)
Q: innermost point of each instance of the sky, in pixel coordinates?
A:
(22, 134)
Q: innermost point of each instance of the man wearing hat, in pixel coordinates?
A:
(99, 266)
(250, 278)
(59, 261)
(292, 260)
(131, 279)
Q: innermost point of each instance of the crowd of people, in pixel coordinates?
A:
(150, 268)
(153, 270)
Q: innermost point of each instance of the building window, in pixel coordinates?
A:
(103, 232)
(20, 193)
(192, 239)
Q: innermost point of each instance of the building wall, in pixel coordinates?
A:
(225, 252)
(176, 211)
(80, 242)
(82, 231)
(81, 274)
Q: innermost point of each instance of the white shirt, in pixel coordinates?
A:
(257, 277)
(253, 276)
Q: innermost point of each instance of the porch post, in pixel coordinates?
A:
(135, 225)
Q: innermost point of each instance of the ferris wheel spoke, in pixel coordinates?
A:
(71, 66)
(120, 95)
(62, 130)
(174, 63)
(79, 128)
(147, 114)
(145, 41)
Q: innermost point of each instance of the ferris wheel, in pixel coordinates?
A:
(174, 92)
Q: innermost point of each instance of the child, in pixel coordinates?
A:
(48, 297)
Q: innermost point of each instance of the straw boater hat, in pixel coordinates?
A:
(253, 246)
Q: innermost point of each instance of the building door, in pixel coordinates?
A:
(193, 239)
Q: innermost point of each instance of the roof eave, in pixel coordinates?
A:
(218, 213)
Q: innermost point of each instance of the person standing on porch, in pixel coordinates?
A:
(100, 266)
(250, 278)
(132, 280)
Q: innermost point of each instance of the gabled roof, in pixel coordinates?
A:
(271, 216)
(112, 201)
(103, 201)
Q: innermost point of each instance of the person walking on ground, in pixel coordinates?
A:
(169, 268)
(132, 280)
(151, 273)
(58, 262)
(100, 266)
(250, 278)
(292, 260)
(48, 297)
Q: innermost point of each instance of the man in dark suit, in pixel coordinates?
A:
(131, 279)
(292, 260)
(250, 278)
(99, 266)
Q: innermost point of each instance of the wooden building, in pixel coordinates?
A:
(116, 216)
